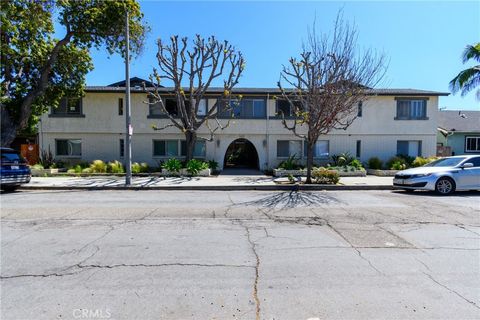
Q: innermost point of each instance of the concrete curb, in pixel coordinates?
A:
(218, 188)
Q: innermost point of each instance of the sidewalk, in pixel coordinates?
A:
(221, 182)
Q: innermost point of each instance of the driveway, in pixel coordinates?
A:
(239, 255)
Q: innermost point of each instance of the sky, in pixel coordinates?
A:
(423, 41)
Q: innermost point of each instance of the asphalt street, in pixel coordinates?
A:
(239, 255)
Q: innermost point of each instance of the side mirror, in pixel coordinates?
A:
(467, 165)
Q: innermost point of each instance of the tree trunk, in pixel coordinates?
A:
(310, 147)
(191, 138)
(9, 129)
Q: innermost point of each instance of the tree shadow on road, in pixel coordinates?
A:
(292, 199)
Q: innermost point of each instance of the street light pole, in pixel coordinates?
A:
(129, 131)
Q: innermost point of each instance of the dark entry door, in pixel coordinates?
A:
(241, 153)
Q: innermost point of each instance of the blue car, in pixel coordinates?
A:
(14, 170)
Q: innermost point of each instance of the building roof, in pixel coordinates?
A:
(459, 121)
(134, 82)
(137, 88)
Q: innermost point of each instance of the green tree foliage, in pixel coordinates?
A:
(37, 69)
(468, 79)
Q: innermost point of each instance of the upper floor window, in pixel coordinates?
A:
(360, 109)
(171, 106)
(246, 109)
(409, 109)
(120, 106)
(68, 107)
(286, 108)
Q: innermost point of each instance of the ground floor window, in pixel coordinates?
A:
(287, 148)
(409, 148)
(358, 152)
(122, 148)
(321, 149)
(175, 148)
(472, 144)
(68, 147)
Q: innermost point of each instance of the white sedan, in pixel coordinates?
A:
(444, 175)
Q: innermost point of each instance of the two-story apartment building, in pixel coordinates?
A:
(389, 122)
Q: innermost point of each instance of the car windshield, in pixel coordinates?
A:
(445, 162)
(10, 157)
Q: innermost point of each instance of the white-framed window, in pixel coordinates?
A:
(68, 147)
(410, 109)
(288, 148)
(68, 107)
(321, 149)
(409, 148)
(472, 144)
(283, 107)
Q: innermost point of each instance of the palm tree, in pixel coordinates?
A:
(468, 79)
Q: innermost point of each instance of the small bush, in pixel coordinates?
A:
(421, 161)
(290, 164)
(194, 166)
(47, 159)
(325, 176)
(87, 170)
(71, 171)
(37, 166)
(342, 159)
(172, 165)
(291, 178)
(115, 167)
(140, 167)
(356, 164)
(408, 161)
(396, 162)
(213, 165)
(98, 166)
(375, 163)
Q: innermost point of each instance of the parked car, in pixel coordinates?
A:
(14, 170)
(444, 175)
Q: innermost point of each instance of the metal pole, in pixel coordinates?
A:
(129, 131)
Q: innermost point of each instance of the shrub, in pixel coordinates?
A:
(213, 165)
(194, 166)
(87, 170)
(115, 167)
(408, 161)
(172, 165)
(140, 167)
(72, 170)
(375, 163)
(37, 166)
(325, 176)
(47, 159)
(355, 163)
(98, 166)
(290, 164)
(396, 162)
(342, 159)
(291, 178)
(421, 161)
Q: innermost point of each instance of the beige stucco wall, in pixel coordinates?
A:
(102, 127)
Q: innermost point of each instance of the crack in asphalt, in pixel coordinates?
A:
(355, 248)
(253, 247)
(83, 267)
(451, 290)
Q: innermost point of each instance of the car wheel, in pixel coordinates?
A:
(444, 186)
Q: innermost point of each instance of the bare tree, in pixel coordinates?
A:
(326, 84)
(196, 67)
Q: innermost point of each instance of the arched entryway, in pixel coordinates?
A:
(241, 153)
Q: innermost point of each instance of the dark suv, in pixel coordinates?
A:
(14, 170)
